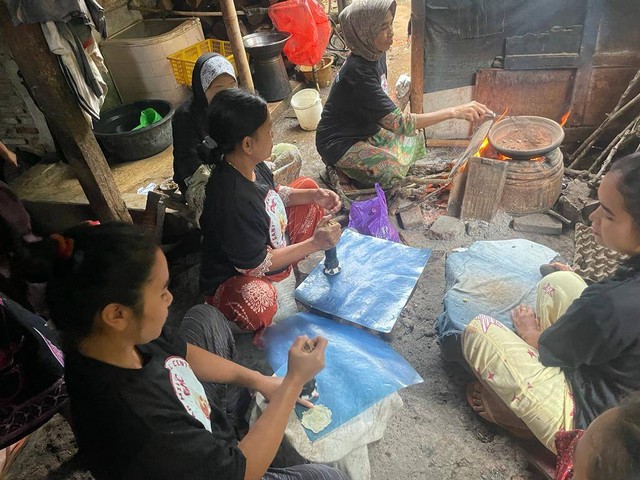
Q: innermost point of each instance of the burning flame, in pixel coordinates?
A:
(486, 150)
(564, 118)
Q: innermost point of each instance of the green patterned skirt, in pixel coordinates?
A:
(384, 158)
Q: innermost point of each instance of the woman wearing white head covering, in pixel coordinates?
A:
(362, 132)
(212, 74)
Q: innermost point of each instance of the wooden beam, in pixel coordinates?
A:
(41, 72)
(418, 19)
(580, 96)
(230, 18)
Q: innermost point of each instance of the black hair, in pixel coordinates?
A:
(233, 115)
(627, 170)
(618, 454)
(109, 263)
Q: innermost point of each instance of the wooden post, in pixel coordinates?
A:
(584, 72)
(418, 18)
(230, 18)
(69, 127)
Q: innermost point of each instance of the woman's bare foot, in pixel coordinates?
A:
(491, 408)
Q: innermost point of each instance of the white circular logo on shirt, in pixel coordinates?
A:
(189, 390)
(277, 219)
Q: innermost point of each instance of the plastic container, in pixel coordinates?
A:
(137, 58)
(324, 72)
(184, 61)
(115, 131)
(308, 107)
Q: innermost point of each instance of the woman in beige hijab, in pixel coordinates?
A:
(362, 132)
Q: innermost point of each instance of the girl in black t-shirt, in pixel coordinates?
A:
(254, 230)
(578, 353)
(139, 408)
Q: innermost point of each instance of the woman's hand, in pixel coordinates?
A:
(526, 324)
(472, 111)
(326, 235)
(327, 199)
(561, 266)
(306, 358)
(267, 386)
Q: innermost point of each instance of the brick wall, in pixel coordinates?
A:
(21, 122)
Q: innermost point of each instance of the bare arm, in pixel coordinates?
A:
(472, 112)
(327, 199)
(260, 445)
(210, 367)
(325, 237)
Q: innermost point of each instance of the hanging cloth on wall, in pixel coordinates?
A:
(42, 11)
(81, 63)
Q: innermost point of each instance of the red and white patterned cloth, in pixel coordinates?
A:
(251, 301)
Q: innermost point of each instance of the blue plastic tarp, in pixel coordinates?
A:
(377, 279)
(360, 368)
(490, 278)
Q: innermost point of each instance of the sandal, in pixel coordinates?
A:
(522, 433)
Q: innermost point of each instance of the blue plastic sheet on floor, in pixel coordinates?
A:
(377, 279)
(360, 368)
(490, 278)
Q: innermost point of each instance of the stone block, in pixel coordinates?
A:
(538, 223)
(446, 228)
(412, 219)
(589, 208)
(477, 228)
(571, 208)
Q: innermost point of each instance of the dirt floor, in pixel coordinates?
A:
(435, 435)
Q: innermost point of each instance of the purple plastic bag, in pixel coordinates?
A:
(370, 217)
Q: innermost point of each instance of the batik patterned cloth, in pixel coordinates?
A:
(540, 396)
(251, 301)
(384, 158)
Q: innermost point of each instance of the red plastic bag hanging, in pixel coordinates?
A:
(309, 27)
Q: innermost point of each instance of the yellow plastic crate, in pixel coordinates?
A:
(184, 61)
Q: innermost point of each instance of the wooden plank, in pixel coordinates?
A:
(613, 81)
(42, 73)
(483, 191)
(531, 92)
(541, 61)
(418, 19)
(580, 96)
(456, 195)
(555, 40)
(56, 183)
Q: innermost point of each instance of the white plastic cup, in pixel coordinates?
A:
(308, 107)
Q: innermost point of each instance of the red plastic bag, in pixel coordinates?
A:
(309, 27)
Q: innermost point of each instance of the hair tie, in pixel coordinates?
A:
(210, 142)
(64, 245)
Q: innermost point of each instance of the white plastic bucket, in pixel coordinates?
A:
(308, 107)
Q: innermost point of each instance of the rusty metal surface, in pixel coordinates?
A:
(533, 187)
(528, 92)
(605, 88)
